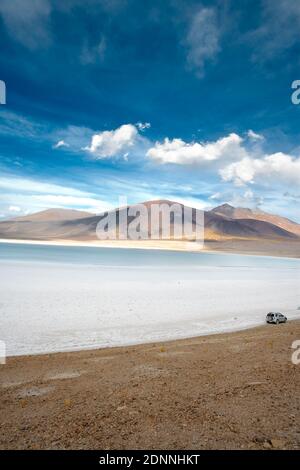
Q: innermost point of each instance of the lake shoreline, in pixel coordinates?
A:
(177, 246)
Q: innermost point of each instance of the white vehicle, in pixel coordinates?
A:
(276, 317)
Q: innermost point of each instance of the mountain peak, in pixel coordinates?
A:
(224, 206)
(225, 209)
(243, 213)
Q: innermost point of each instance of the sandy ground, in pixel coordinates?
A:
(278, 248)
(134, 244)
(230, 391)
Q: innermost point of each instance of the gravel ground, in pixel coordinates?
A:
(230, 391)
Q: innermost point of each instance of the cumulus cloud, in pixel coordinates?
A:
(277, 168)
(182, 153)
(100, 145)
(109, 144)
(202, 39)
(234, 159)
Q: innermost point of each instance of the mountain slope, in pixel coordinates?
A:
(238, 213)
(53, 215)
(50, 225)
(244, 228)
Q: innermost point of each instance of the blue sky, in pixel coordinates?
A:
(184, 100)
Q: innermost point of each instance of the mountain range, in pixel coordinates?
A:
(222, 223)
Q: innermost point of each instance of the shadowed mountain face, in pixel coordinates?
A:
(54, 224)
(237, 213)
(222, 223)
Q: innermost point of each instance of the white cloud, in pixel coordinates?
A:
(92, 204)
(240, 173)
(234, 159)
(21, 196)
(109, 144)
(238, 198)
(33, 203)
(104, 144)
(276, 169)
(216, 196)
(182, 153)
(29, 185)
(202, 39)
(61, 143)
(14, 209)
(143, 125)
(76, 137)
(254, 136)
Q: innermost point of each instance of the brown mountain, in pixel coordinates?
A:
(223, 223)
(53, 215)
(51, 224)
(238, 213)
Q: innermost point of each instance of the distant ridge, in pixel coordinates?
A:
(224, 222)
(226, 210)
(53, 215)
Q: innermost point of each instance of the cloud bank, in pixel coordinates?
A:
(277, 168)
(233, 158)
(182, 153)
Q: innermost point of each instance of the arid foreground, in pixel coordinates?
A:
(230, 391)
